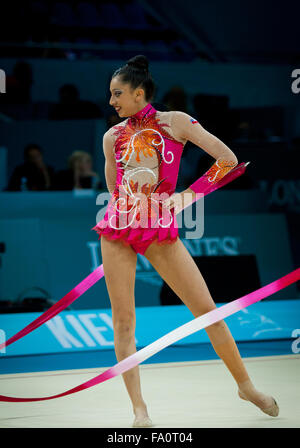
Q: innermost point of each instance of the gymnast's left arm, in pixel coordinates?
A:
(186, 128)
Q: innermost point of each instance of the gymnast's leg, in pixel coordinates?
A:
(119, 265)
(176, 266)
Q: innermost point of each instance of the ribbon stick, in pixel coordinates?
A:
(175, 335)
(98, 273)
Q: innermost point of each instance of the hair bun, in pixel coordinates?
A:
(139, 62)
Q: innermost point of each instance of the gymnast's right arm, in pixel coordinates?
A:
(110, 168)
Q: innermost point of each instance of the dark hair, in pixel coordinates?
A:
(28, 148)
(136, 73)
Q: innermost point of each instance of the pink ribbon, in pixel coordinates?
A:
(98, 273)
(179, 333)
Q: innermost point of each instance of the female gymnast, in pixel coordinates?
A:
(142, 158)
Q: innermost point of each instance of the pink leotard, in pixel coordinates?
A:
(147, 161)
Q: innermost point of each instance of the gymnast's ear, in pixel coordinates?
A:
(139, 93)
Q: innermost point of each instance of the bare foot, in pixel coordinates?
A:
(142, 418)
(266, 403)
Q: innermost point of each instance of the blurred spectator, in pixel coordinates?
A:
(71, 107)
(18, 85)
(214, 114)
(176, 99)
(160, 106)
(33, 174)
(112, 120)
(79, 175)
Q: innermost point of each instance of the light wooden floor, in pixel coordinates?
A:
(179, 395)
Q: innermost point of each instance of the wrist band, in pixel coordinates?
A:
(215, 173)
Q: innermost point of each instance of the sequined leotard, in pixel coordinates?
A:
(147, 161)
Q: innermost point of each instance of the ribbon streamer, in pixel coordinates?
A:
(98, 273)
(179, 333)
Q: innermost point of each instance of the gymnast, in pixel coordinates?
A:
(142, 159)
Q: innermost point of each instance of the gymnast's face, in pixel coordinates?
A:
(126, 100)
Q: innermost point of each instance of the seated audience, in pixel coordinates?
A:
(79, 175)
(71, 107)
(33, 174)
(176, 99)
